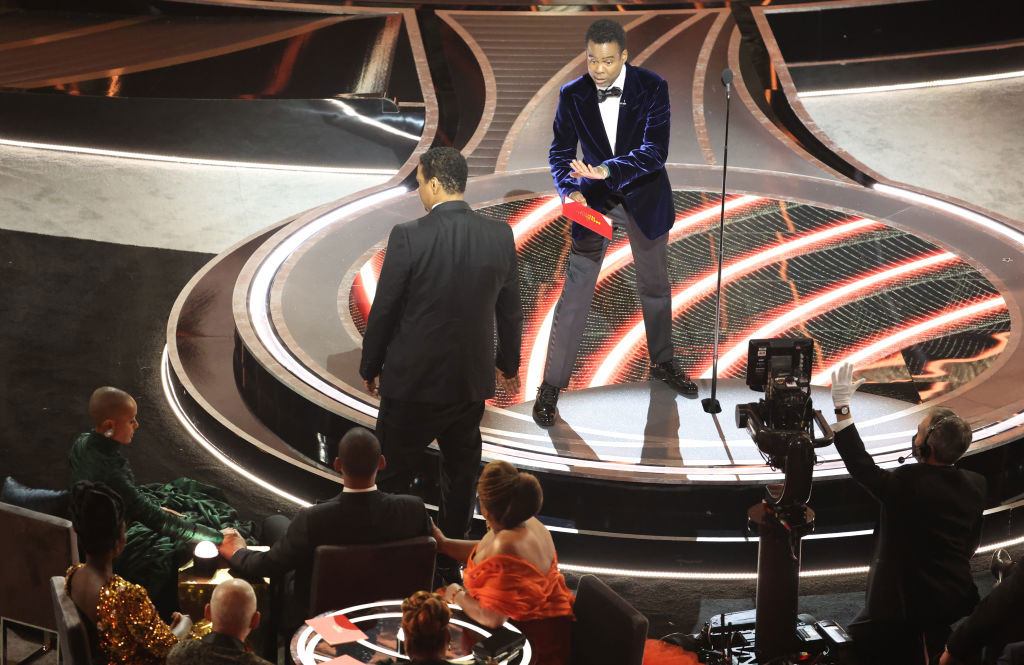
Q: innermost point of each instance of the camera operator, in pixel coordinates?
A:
(929, 528)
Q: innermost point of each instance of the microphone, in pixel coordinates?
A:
(726, 77)
(903, 458)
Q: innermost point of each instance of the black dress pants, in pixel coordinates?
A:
(877, 642)
(405, 429)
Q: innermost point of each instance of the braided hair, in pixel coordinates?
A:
(425, 618)
(97, 513)
(510, 496)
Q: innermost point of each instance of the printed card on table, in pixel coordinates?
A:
(336, 629)
(587, 217)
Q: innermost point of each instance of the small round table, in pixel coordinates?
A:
(382, 622)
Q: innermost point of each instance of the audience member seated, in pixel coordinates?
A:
(156, 528)
(123, 624)
(360, 514)
(232, 611)
(929, 528)
(996, 626)
(512, 572)
(425, 618)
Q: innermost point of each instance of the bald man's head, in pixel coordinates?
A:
(113, 413)
(232, 608)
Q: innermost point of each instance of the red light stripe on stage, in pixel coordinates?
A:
(684, 298)
(824, 302)
(527, 225)
(618, 257)
(621, 256)
(893, 341)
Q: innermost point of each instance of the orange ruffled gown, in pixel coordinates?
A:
(539, 604)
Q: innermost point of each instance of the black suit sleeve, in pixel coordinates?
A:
(508, 311)
(286, 554)
(881, 483)
(388, 303)
(1005, 604)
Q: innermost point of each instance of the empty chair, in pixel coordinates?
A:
(608, 630)
(34, 547)
(346, 575)
(74, 637)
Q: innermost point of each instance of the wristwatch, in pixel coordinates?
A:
(843, 411)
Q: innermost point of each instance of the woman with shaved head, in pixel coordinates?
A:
(156, 526)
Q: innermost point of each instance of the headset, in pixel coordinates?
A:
(925, 450)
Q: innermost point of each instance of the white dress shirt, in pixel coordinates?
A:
(609, 108)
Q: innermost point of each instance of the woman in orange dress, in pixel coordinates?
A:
(512, 572)
(123, 625)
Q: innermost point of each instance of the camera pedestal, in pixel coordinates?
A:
(778, 575)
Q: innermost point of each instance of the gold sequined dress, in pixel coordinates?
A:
(128, 629)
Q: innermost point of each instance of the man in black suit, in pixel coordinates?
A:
(930, 526)
(360, 514)
(447, 278)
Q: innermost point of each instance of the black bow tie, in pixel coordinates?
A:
(605, 94)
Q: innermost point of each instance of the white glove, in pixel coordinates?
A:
(843, 385)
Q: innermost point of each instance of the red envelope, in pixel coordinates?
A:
(336, 629)
(587, 217)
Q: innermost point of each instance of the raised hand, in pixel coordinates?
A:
(843, 385)
(581, 169)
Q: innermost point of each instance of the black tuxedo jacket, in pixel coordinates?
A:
(929, 528)
(637, 165)
(350, 518)
(447, 277)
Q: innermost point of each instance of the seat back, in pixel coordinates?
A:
(51, 502)
(607, 630)
(346, 575)
(34, 547)
(74, 639)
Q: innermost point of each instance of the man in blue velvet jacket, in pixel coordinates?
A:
(619, 115)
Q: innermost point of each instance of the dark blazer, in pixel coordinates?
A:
(930, 527)
(350, 518)
(641, 147)
(997, 620)
(447, 277)
(213, 649)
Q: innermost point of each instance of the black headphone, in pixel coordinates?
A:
(925, 449)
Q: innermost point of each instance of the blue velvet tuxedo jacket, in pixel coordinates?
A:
(641, 147)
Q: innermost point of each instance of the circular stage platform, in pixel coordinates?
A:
(921, 293)
(924, 324)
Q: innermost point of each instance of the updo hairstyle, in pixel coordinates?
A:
(425, 618)
(511, 497)
(97, 514)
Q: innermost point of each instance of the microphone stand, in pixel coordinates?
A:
(711, 404)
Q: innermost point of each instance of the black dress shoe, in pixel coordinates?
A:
(672, 374)
(545, 408)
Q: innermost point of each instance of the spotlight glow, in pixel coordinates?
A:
(937, 83)
(194, 161)
(259, 295)
(963, 213)
(198, 437)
